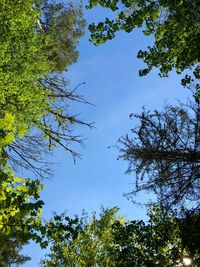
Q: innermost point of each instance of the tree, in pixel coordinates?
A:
(33, 112)
(55, 128)
(20, 203)
(112, 241)
(173, 24)
(61, 26)
(155, 243)
(92, 246)
(18, 212)
(163, 152)
(189, 227)
(20, 218)
(23, 62)
(30, 90)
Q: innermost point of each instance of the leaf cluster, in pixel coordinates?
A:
(173, 24)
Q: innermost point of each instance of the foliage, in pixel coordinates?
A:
(112, 241)
(173, 24)
(23, 61)
(33, 117)
(93, 245)
(38, 98)
(20, 209)
(20, 218)
(155, 243)
(163, 152)
(61, 26)
(20, 205)
(10, 196)
(190, 232)
(8, 129)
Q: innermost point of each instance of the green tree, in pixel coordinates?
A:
(33, 118)
(61, 26)
(163, 152)
(175, 26)
(111, 241)
(30, 90)
(23, 61)
(20, 210)
(20, 203)
(20, 218)
(155, 243)
(93, 245)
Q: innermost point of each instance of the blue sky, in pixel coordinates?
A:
(114, 87)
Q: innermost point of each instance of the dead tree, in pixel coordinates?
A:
(55, 128)
(164, 153)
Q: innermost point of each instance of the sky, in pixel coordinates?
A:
(113, 86)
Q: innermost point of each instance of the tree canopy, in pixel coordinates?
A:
(109, 240)
(175, 26)
(92, 246)
(38, 42)
(34, 114)
(61, 26)
(31, 89)
(21, 206)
